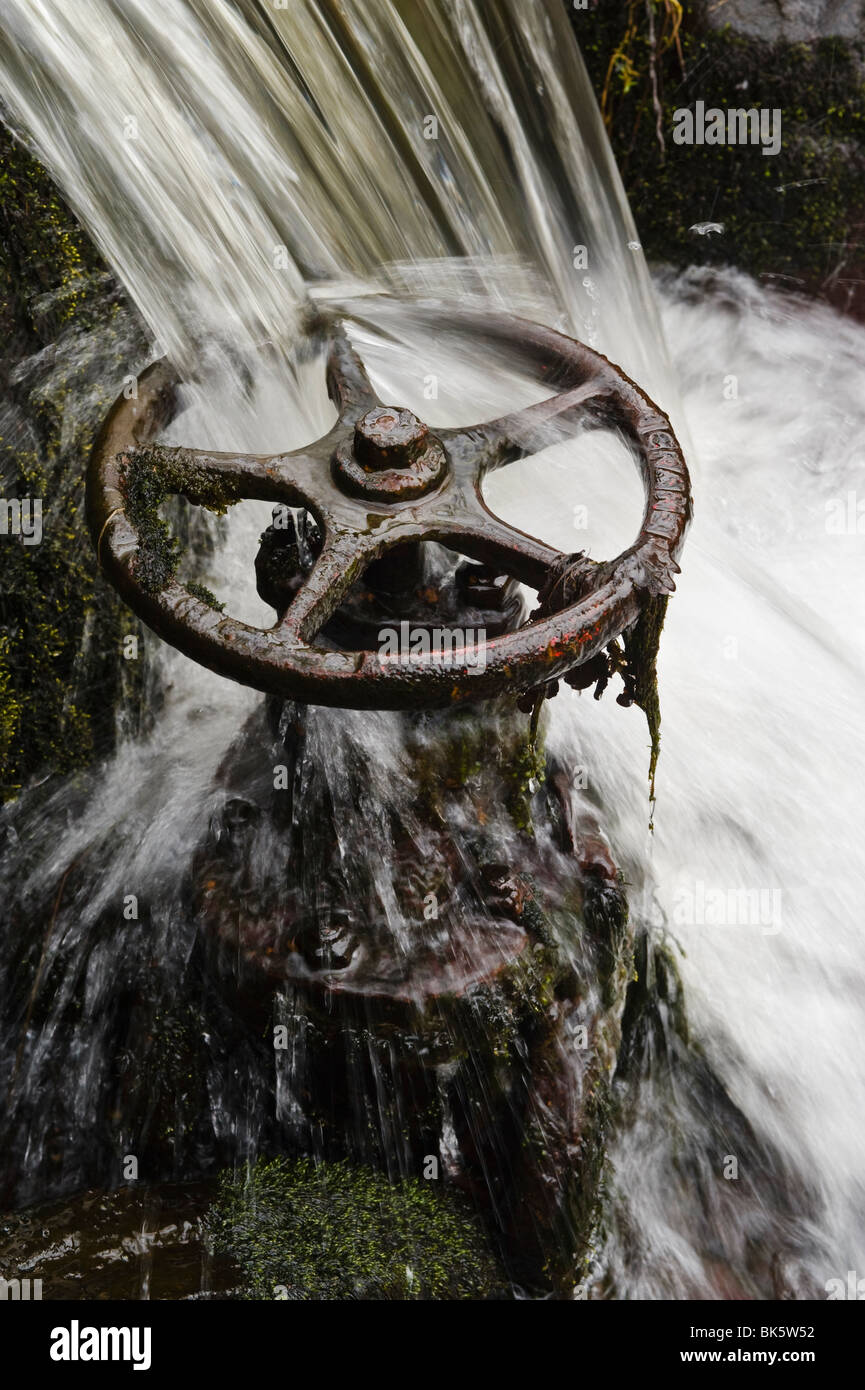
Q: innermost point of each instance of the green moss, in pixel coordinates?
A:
(171, 470)
(206, 595)
(62, 673)
(796, 214)
(654, 1015)
(167, 1083)
(47, 260)
(149, 477)
(10, 706)
(335, 1231)
(525, 771)
(585, 1202)
(158, 550)
(607, 917)
(479, 752)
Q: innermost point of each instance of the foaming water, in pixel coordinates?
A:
(280, 154)
(757, 857)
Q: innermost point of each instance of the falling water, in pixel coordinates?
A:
(233, 161)
(318, 141)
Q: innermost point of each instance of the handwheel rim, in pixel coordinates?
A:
(279, 662)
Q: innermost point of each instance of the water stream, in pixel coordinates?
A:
(233, 161)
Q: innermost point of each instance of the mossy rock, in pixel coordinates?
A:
(795, 216)
(69, 340)
(303, 1231)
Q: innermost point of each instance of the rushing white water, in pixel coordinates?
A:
(300, 131)
(763, 745)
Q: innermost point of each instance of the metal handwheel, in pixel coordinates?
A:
(380, 478)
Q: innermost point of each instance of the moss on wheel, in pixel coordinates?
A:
(206, 595)
(150, 477)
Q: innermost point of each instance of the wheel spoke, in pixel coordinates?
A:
(342, 561)
(349, 386)
(208, 478)
(482, 536)
(513, 436)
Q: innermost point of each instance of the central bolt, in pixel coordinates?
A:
(392, 458)
(389, 437)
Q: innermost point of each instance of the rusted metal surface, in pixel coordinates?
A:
(380, 479)
(392, 458)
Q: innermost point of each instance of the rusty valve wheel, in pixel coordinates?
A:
(380, 478)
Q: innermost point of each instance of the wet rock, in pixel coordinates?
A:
(794, 21)
(139, 1242)
(430, 987)
(68, 340)
(792, 219)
